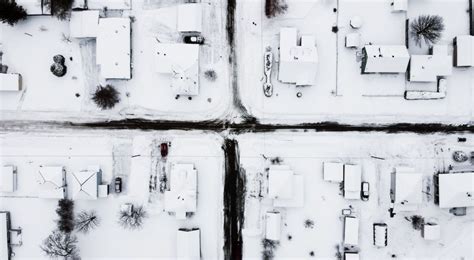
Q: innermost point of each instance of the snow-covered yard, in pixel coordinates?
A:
(110, 241)
(378, 154)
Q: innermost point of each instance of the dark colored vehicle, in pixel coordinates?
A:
(118, 185)
(164, 149)
(364, 193)
(193, 39)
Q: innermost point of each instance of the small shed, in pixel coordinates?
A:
(385, 59)
(333, 171)
(8, 179)
(273, 225)
(84, 24)
(10, 82)
(190, 17)
(351, 231)
(352, 40)
(182, 196)
(352, 181)
(51, 182)
(455, 189)
(464, 51)
(188, 244)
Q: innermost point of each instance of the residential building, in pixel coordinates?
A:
(8, 179)
(51, 182)
(408, 188)
(285, 187)
(333, 171)
(182, 196)
(84, 24)
(464, 51)
(352, 181)
(10, 82)
(455, 189)
(5, 249)
(385, 59)
(188, 244)
(190, 17)
(273, 225)
(85, 184)
(351, 231)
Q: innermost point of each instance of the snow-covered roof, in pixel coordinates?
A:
(273, 225)
(427, 68)
(408, 186)
(298, 64)
(297, 199)
(7, 179)
(352, 181)
(32, 7)
(182, 62)
(464, 50)
(280, 178)
(84, 24)
(10, 82)
(188, 244)
(190, 17)
(456, 190)
(400, 5)
(352, 40)
(333, 171)
(113, 48)
(51, 182)
(386, 59)
(431, 231)
(109, 4)
(182, 196)
(4, 246)
(85, 184)
(351, 231)
(351, 256)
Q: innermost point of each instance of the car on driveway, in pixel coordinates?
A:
(364, 193)
(118, 185)
(164, 149)
(193, 39)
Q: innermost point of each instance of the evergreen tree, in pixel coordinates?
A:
(10, 12)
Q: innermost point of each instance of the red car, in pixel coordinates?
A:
(164, 149)
(118, 185)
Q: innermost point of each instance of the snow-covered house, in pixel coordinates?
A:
(51, 182)
(464, 51)
(113, 48)
(85, 184)
(181, 62)
(333, 171)
(351, 231)
(428, 68)
(408, 188)
(188, 244)
(399, 5)
(352, 181)
(455, 189)
(298, 63)
(285, 187)
(385, 59)
(431, 231)
(5, 250)
(351, 256)
(33, 7)
(8, 179)
(84, 24)
(10, 82)
(182, 196)
(109, 4)
(273, 225)
(190, 17)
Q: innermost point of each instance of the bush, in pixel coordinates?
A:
(427, 28)
(60, 8)
(60, 244)
(133, 220)
(106, 97)
(58, 70)
(275, 7)
(11, 13)
(87, 221)
(65, 212)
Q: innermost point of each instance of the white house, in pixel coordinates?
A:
(188, 244)
(182, 196)
(273, 225)
(408, 188)
(298, 63)
(51, 182)
(464, 51)
(385, 59)
(10, 82)
(181, 62)
(427, 68)
(455, 190)
(190, 17)
(351, 231)
(113, 48)
(8, 179)
(5, 250)
(333, 171)
(85, 184)
(352, 181)
(84, 24)
(285, 187)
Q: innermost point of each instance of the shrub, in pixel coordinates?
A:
(86, 221)
(60, 8)
(106, 97)
(11, 13)
(65, 212)
(275, 7)
(134, 219)
(427, 28)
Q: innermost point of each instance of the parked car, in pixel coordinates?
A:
(193, 39)
(380, 234)
(164, 149)
(118, 185)
(364, 193)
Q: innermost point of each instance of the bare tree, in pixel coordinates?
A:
(275, 7)
(134, 218)
(106, 97)
(427, 28)
(86, 221)
(60, 244)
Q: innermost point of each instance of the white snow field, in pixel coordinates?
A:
(378, 154)
(157, 238)
(341, 93)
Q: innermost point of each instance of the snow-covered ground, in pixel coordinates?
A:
(157, 238)
(29, 46)
(341, 93)
(378, 154)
